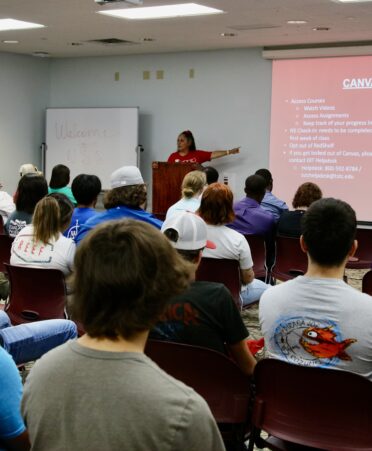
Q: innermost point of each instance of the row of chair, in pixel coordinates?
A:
(291, 261)
(317, 407)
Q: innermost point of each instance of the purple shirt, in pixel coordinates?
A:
(252, 219)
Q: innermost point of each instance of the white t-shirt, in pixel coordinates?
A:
(318, 322)
(229, 244)
(57, 254)
(6, 205)
(183, 205)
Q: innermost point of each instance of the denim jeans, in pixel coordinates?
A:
(30, 341)
(252, 292)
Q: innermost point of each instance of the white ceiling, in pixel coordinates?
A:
(70, 24)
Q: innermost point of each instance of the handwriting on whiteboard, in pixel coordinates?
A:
(65, 130)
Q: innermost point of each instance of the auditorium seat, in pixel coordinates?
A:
(314, 407)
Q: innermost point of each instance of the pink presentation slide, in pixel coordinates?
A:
(321, 129)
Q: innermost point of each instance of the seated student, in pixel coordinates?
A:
(216, 208)
(24, 343)
(42, 245)
(31, 188)
(102, 388)
(29, 341)
(13, 434)
(6, 204)
(128, 193)
(252, 219)
(290, 221)
(270, 202)
(205, 314)
(85, 189)
(211, 174)
(192, 187)
(318, 319)
(59, 181)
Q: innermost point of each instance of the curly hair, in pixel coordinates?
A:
(131, 196)
(216, 206)
(306, 194)
(125, 274)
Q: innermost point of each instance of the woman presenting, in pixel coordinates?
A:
(187, 153)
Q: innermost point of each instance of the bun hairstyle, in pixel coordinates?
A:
(193, 184)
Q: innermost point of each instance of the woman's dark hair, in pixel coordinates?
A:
(216, 206)
(190, 139)
(306, 194)
(31, 188)
(125, 274)
(60, 176)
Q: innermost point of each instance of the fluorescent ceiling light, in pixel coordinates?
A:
(162, 12)
(296, 22)
(13, 24)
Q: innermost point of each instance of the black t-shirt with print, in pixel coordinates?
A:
(205, 315)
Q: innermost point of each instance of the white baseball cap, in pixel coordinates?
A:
(28, 168)
(126, 176)
(191, 229)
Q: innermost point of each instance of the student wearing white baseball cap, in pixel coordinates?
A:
(205, 314)
(123, 201)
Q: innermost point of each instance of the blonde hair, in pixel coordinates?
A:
(193, 183)
(51, 216)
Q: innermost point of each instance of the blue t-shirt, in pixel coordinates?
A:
(117, 213)
(79, 217)
(11, 422)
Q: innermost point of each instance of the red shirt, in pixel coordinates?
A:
(193, 156)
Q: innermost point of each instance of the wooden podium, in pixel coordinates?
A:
(166, 184)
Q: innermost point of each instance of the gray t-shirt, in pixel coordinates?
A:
(318, 322)
(77, 398)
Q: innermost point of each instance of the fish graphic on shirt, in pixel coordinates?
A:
(322, 343)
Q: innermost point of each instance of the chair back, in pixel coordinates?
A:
(290, 261)
(214, 376)
(224, 271)
(5, 247)
(317, 407)
(258, 251)
(1, 225)
(35, 294)
(363, 255)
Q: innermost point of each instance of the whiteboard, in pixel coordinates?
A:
(91, 140)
